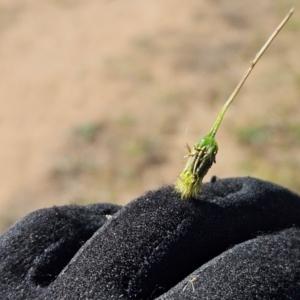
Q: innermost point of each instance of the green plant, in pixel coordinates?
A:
(87, 131)
(203, 155)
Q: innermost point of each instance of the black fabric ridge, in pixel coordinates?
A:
(37, 248)
(267, 267)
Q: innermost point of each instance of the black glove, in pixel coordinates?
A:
(238, 240)
(36, 249)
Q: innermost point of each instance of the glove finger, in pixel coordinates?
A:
(267, 267)
(34, 250)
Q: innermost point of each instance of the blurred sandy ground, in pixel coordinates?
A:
(99, 97)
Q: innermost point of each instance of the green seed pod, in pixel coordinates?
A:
(199, 161)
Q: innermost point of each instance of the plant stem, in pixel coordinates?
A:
(217, 123)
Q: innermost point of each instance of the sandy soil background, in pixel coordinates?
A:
(99, 97)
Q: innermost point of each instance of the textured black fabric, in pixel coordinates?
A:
(235, 238)
(267, 267)
(36, 249)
